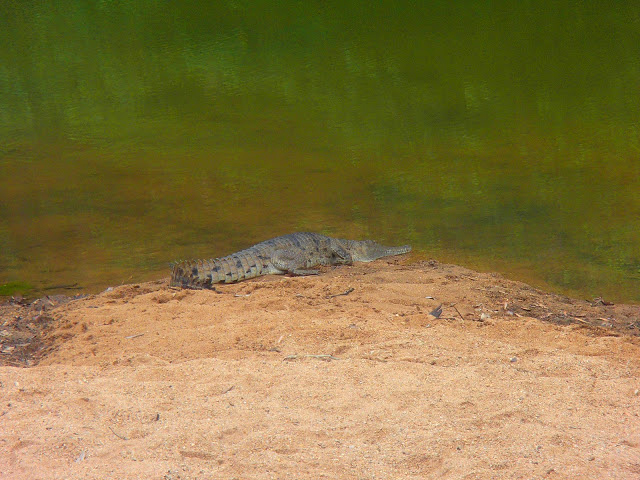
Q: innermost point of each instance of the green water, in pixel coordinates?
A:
(499, 135)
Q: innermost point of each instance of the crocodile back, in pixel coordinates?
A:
(252, 262)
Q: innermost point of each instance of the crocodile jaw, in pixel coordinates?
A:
(368, 250)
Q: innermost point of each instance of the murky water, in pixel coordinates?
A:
(502, 136)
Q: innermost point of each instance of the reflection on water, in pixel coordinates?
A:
(501, 136)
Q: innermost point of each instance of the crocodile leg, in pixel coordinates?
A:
(290, 260)
(340, 256)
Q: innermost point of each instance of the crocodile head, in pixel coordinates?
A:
(368, 250)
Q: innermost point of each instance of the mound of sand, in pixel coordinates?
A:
(345, 375)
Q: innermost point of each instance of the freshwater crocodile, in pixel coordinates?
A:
(295, 253)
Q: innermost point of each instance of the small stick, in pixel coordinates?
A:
(119, 436)
(322, 357)
(135, 336)
(228, 389)
(72, 286)
(347, 292)
(456, 309)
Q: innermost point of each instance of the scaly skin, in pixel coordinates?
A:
(295, 253)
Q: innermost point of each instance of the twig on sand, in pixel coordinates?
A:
(119, 436)
(135, 336)
(321, 357)
(227, 390)
(456, 309)
(582, 321)
(347, 292)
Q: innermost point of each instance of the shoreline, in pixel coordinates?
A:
(31, 341)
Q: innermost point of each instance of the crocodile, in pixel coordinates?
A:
(295, 253)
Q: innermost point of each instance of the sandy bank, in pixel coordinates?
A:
(344, 375)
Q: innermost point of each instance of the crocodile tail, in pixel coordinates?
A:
(390, 251)
(185, 274)
(197, 273)
(230, 269)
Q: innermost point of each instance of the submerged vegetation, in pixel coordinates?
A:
(11, 288)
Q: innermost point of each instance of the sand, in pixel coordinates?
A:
(344, 375)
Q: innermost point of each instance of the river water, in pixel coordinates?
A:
(499, 135)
